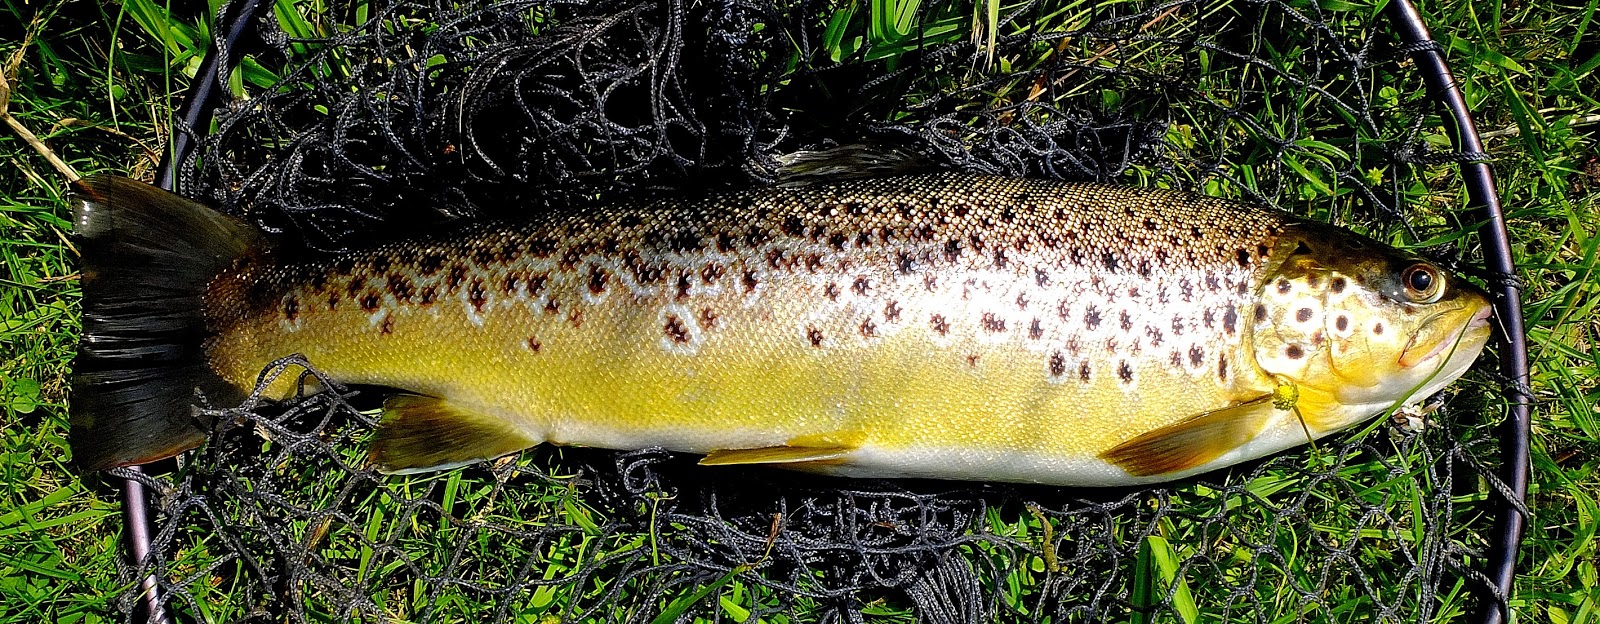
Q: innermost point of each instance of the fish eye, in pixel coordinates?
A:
(1423, 283)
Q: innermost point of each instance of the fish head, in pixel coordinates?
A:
(1363, 324)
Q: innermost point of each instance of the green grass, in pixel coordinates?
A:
(99, 83)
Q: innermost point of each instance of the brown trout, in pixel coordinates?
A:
(944, 326)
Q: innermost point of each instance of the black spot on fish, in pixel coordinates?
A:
(599, 279)
(1175, 358)
(400, 287)
(1022, 301)
(1058, 364)
(930, 283)
(750, 282)
(1197, 356)
(1337, 285)
(1243, 257)
(1316, 338)
(1083, 372)
(1208, 318)
(536, 284)
(369, 302)
(1126, 321)
(1125, 372)
(837, 241)
(814, 336)
(1222, 367)
(992, 323)
(1187, 287)
(427, 295)
(1041, 278)
(1284, 286)
(1261, 313)
(862, 286)
(868, 329)
(457, 275)
(1196, 232)
(1294, 352)
(1177, 325)
(1144, 268)
(291, 308)
(675, 329)
(952, 250)
(891, 311)
(1342, 323)
(1212, 283)
(1230, 321)
(430, 262)
(1074, 346)
(380, 263)
(725, 243)
(534, 344)
(1263, 251)
(939, 324)
(904, 264)
(1109, 260)
(793, 226)
(553, 306)
(684, 284)
(709, 318)
(1149, 224)
(1377, 329)
(333, 301)
(1091, 317)
(1300, 249)
(512, 282)
(1000, 259)
(1313, 281)
(387, 326)
(831, 291)
(576, 318)
(477, 296)
(1303, 314)
(972, 360)
(1036, 330)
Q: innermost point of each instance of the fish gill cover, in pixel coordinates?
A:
(367, 120)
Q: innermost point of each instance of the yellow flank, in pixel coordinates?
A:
(903, 317)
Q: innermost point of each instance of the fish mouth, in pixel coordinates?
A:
(1474, 332)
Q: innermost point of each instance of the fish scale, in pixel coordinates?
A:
(945, 325)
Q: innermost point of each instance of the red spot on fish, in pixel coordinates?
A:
(676, 330)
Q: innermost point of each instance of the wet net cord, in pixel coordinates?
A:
(1479, 180)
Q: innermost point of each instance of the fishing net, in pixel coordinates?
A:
(367, 120)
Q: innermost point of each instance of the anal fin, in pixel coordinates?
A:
(803, 449)
(1194, 441)
(424, 433)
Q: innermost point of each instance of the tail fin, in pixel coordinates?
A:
(147, 256)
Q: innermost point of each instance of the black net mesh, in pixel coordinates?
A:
(369, 120)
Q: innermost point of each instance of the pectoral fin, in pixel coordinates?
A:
(798, 450)
(1193, 442)
(423, 433)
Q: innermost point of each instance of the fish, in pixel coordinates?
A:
(938, 325)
